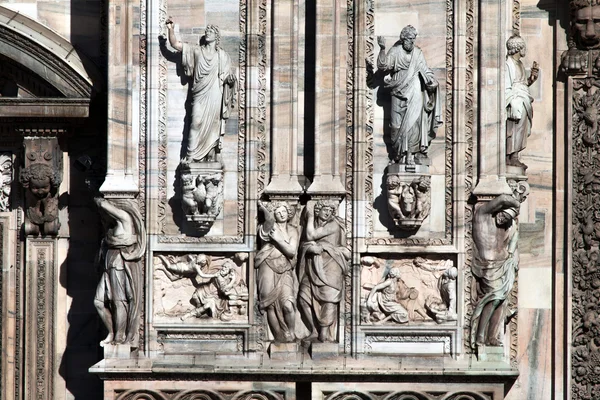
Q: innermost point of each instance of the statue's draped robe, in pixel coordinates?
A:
(210, 97)
(277, 282)
(519, 103)
(415, 111)
(322, 276)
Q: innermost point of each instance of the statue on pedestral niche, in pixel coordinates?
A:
(119, 294)
(276, 278)
(495, 262)
(213, 92)
(519, 108)
(416, 106)
(323, 263)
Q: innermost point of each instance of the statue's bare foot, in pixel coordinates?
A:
(107, 340)
(120, 339)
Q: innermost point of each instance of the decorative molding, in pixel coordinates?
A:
(40, 306)
(162, 128)
(469, 181)
(199, 394)
(217, 335)
(73, 83)
(407, 395)
(410, 337)
(6, 179)
(516, 16)
(263, 52)
(586, 238)
(346, 306)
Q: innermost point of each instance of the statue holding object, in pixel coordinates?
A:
(416, 107)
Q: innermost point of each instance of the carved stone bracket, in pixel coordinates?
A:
(409, 199)
(202, 194)
(42, 176)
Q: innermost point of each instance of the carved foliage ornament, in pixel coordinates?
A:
(6, 178)
(586, 241)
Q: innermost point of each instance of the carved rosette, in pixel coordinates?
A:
(409, 199)
(6, 178)
(201, 194)
(586, 240)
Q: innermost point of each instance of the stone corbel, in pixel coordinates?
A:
(202, 194)
(41, 177)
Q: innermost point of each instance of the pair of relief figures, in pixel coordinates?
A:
(212, 88)
(300, 270)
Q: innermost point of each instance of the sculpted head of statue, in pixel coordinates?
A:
(585, 24)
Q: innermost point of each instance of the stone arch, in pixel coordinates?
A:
(46, 54)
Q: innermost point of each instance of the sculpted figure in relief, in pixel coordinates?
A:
(519, 109)
(118, 296)
(495, 262)
(6, 178)
(446, 311)
(416, 107)
(323, 259)
(382, 301)
(42, 182)
(275, 261)
(213, 90)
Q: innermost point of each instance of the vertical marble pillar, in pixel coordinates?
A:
(330, 78)
(121, 178)
(284, 108)
(491, 104)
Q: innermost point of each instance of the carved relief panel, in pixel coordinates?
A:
(200, 289)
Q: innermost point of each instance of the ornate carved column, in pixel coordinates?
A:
(330, 78)
(581, 63)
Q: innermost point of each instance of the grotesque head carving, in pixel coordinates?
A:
(585, 24)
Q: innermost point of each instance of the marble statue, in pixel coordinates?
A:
(323, 263)
(213, 83)
(42, 183)
(382, 301)
(495, 262)
(276, 277)
(519, 108)
(119, 294)
(416, 105)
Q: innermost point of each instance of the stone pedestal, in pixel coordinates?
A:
(323, 350)
(117, 351)
(283, 351)
(408, 195)
(491, 353)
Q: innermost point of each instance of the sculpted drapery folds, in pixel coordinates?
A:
(495, 262)
(416, 106)
(213, 84)
(118, 295)
(275, 262)
(519, 108)
(323, 263)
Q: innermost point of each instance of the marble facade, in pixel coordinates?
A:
(373, 281)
